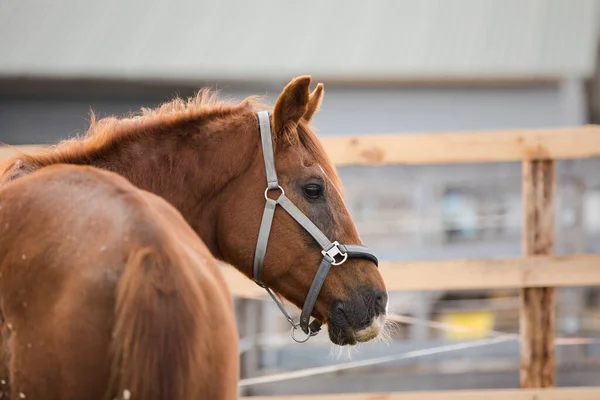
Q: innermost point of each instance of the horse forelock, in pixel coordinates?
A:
(313, 146)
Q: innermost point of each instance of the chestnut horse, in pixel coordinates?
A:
(107, 293)
(215, 163)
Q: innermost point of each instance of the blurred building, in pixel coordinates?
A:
(388, 66)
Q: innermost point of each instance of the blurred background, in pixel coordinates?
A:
(394, 66)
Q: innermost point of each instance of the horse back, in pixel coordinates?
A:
(96, 275)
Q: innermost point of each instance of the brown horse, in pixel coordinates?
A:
(103, 285)
(206, 158)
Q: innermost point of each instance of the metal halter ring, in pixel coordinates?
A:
(278, 187)
(296, 327)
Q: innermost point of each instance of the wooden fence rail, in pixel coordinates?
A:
(460, 148)
(504, 394)
(532, 272)
(537, 273)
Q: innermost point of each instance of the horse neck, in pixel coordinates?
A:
(190, 170)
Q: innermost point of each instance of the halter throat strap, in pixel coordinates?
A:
(333, 253)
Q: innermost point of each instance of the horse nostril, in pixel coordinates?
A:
(380, 302)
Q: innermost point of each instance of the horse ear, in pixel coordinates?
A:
(314, 102)
(291, 105)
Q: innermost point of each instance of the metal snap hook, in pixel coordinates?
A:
(296, 328)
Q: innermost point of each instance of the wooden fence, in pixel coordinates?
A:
(536, 273)
(503, 394)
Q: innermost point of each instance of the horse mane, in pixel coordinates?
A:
(204, 106)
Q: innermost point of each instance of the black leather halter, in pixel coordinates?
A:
(333, 252)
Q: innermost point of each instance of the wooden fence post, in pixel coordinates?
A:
(537, 321)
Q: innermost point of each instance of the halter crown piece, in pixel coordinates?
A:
(333, 252)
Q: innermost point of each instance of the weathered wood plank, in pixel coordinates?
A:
(537, 313)
(534, 271)
(582, 393)
(487, 146)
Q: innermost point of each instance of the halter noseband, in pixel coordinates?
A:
(333, 252)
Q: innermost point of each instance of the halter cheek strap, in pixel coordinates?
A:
(333, 252)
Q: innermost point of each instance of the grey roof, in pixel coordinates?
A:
(276, 39)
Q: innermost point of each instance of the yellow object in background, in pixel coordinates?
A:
(469, 324)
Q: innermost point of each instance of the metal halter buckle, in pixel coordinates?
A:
(333, 251)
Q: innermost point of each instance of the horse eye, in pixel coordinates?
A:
(313, 191)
